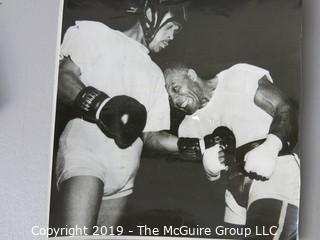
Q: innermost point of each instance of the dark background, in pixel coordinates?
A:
(219, 33)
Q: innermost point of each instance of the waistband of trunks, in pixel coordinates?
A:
(242, 150)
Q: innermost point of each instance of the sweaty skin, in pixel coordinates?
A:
(285, 121)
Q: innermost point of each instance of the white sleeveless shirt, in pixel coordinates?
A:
(232, 105)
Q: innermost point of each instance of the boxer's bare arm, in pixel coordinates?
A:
(69, 83)
(161, 142)
(285, 117)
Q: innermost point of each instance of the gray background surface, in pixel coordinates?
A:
(28, 41)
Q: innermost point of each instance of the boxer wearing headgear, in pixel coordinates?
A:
(117, 94)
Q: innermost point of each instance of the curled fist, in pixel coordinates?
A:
(214, 162)
(260, 162)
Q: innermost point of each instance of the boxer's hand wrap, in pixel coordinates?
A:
(121, 117)
(261, 161)
(222, 140)
(214, 162)
(192, 149)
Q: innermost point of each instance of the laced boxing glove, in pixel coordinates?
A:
(190, 148)
(220, 142)
(261, 160)
(194, 148)
(121, 118)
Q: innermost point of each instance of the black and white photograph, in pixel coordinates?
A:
(178, 119)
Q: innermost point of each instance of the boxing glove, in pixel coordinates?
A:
(121, 118)
(261, 161)
(194, 148)
(217, 144)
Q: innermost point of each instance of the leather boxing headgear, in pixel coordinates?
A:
(161, 12)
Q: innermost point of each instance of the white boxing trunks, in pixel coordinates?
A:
(283, 185)
(97, 156)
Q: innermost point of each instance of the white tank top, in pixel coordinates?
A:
(232, 105)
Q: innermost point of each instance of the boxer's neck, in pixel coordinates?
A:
(136, 33)
(212, 83)
(209, 86)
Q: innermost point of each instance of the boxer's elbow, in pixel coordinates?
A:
(285, 123)
(69, 83)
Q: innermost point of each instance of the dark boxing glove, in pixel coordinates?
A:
(215, 158)
(222, 136)
(121, 117)
(190, 149)
(193, 148)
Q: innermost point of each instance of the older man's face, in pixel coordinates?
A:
(184, 93)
